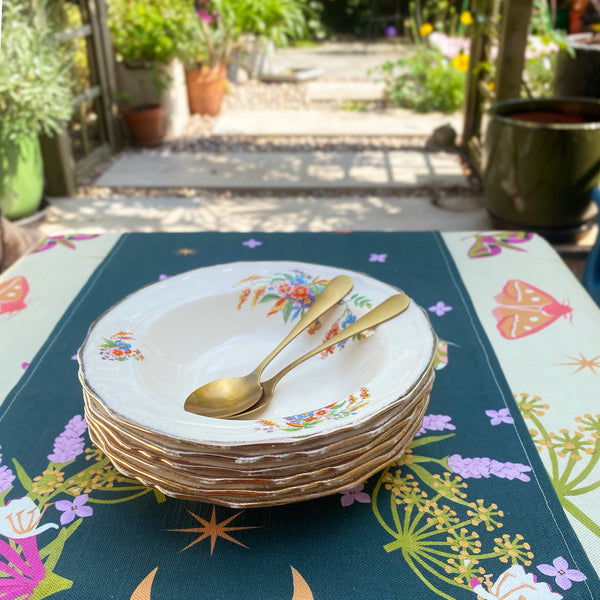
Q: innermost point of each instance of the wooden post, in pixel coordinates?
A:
(59, 166)
(480, 52)
(513, 43)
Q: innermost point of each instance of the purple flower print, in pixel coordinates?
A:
(6, 477)
(24, 365)
(355, 494)
(77, 508)
(440, 309)
(563, 576)
(484, 467)
(509, 470)
(499, 416)
(163, 276)
(378, 258)
(252, 243)
(435, 423)
(69, 444)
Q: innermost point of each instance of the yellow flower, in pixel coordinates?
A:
(425, 29)
(466, 18)
(461, 62)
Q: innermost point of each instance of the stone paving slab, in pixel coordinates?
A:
(286, 170)
(286, 214)
(342, 60)
(281, 122)
(358, 91)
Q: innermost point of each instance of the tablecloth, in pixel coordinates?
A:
(497, 496)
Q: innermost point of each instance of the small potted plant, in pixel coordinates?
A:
(148, 38)
(269, 25)
(236, 32)
(35, 98)
(216, 32)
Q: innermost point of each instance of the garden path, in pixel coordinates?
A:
(306, 164)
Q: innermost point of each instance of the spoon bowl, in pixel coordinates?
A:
(232, 395)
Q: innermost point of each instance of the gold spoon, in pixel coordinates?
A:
(233, 395)
(388, 309)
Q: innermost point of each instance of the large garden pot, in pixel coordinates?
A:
(206, 88)
(579, 74)
(541, 164)
(21, 177)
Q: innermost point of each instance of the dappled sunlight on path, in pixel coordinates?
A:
(284, 214)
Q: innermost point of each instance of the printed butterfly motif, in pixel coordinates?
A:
(491, 244)
(525, 309)
(12, 294)
(61, 240)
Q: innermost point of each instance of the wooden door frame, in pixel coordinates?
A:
(61, 171)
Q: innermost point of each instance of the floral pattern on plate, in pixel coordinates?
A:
(292, 294)
(336, 410)
(118, 347)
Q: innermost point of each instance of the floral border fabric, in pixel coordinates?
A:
(547, 345)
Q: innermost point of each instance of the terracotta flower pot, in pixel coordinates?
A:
(146, 124)
(206, 88)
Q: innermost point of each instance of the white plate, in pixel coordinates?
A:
(148, 352)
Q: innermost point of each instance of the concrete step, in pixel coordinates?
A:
(356, 91)
(281, 122)
(285, 213)
(383, 169)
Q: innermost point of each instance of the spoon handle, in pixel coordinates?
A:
(333, 292)
(389, 308)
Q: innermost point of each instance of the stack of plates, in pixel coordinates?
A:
(334, 420)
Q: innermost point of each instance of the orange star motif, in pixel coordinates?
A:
(186, 251)
(213, 530)
(583, 363)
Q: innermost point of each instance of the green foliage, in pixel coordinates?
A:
(442, 14)
(541, 19)
(315, 29)
(425, 82)
(215, 34)
(276, 20)
(220, 24)
(150, 30)
(35, 95)
(354, 105)
(539, 76)
(540, 67)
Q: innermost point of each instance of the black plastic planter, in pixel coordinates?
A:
(541, 163)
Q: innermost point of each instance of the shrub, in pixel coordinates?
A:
(425, 82)
(150, 30)
(35, 95)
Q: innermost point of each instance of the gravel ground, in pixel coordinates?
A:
(292, 96)
(253, 93)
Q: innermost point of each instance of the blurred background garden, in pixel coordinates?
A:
(82, 79)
